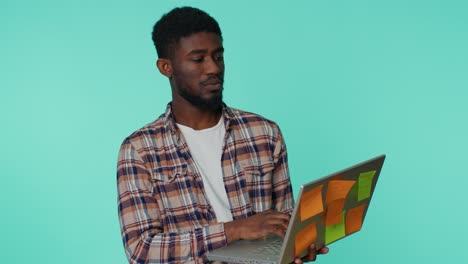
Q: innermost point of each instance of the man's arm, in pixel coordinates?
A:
(282, 193)
(144, 237)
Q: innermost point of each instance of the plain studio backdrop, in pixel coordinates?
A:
(345, 80)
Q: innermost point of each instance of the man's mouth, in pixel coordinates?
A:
(213, 85)
(212, 81)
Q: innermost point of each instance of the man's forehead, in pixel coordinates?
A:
(199, 43)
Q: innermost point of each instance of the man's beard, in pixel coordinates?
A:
(213, 104)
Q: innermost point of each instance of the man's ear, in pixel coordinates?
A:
(164, 67)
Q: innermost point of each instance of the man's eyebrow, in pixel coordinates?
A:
(220, 49)
(197, 51)
(203, 51)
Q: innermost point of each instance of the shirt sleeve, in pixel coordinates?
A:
(282, 195)
(144, 236)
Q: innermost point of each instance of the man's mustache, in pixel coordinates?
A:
(212, 80)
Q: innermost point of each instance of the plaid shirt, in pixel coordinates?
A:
(164, 214)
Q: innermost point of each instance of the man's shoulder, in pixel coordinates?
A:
(252, 121)
(155, 129)
(246, 117)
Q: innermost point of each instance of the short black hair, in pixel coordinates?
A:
(178, 23)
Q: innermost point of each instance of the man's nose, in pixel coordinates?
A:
(213, 66)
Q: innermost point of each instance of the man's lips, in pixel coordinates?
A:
(212, 81)
(213, 85)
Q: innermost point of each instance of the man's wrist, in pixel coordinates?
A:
(232, 230)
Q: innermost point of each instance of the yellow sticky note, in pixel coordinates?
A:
(354, 219)
(338, 189)
(365, 184)
(305, 238)
(311, 203)
(334, 212)
(335, 232)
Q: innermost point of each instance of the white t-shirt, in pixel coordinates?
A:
(206, 148)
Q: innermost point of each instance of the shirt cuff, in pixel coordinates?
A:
(215, 236)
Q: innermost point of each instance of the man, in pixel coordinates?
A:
(203, 174)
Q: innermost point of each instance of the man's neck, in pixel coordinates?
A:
(194, 117)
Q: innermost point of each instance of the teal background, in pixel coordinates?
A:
(345, 80)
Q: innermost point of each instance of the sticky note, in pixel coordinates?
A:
(365, 184)
(354, 219)
(334, 212)
(338, 189)
(305, 238)
(335, 232)
(311, 203)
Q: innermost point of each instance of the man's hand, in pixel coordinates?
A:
(312, 256)
(257, 226)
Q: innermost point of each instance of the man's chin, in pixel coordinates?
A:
(212, 104)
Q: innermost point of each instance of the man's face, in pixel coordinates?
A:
(198, 70)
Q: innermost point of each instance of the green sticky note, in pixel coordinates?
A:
(335, 232)
(365, 184)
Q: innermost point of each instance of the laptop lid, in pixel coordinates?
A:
(327, 210)
(331, 208)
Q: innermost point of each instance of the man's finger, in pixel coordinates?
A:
(279, 232)
(277, 229)
(312, 253)
(312, 256)
(323, 250)
(277, 222)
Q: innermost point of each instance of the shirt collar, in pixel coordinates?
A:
(228, 115)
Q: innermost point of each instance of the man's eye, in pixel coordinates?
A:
(219, 58)
(198, 59)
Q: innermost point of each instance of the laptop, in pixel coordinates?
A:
(327, 210)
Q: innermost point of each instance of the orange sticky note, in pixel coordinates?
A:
(354, 219)
(334, 212)
(305, 238)
(311, 203)
(338, 189)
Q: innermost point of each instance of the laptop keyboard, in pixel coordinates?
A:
(274, 248)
